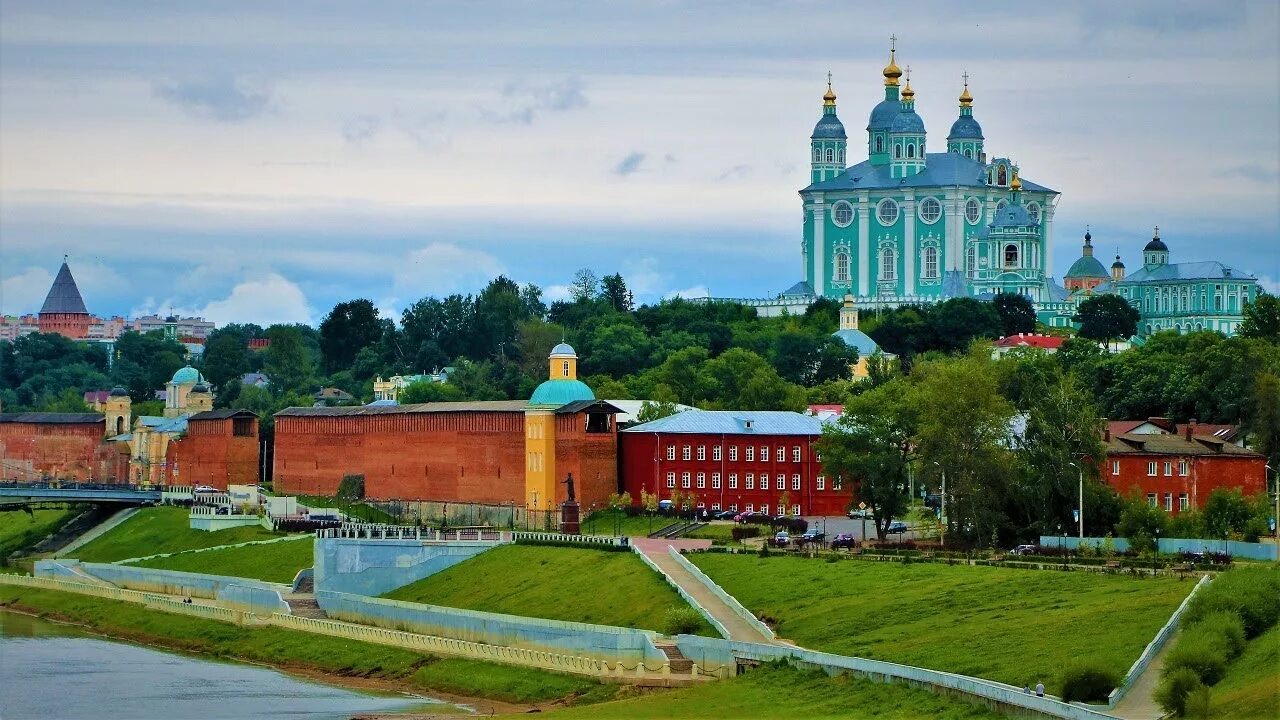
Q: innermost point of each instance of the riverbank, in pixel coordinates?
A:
(486, 687)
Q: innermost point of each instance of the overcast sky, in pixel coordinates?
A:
(261, 161)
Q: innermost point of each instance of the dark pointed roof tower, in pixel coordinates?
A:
(64, 296)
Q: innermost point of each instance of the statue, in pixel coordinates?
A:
(569, 481)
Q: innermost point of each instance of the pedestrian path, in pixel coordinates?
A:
(94, 532)
(655, 549)
(1139, 702)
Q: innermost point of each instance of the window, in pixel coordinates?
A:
(795, 454)
(795, 510)
(764, 509)
(764, 481)
(751, 453)
(684, 480)
(751, 481)
(715, 481)
(1011, 256)
(795, 482)
(764, 453)
(971, 258)
(733, 507)
(685, 453)
(1002, 177)
(564, 369)
(879, 144)
(842, 213)
(842, 267)
(930, 210)
(888, 264)
(733, 453)
(931, 262)
(1168, 502)
(702, 481)
(751, 507)
(1151, 469)
(1001, 205)
(671, 452)
(973, 211)
(715, 453)
(1184, 467)
(838, 485)
(1033, 209)
(781, 454)
(822, 483)
(1151, 499)
(715, 506)
(911, 151)
(1182, 501)
(817, 154)
(968, 153)
(1168, 468)
(671, 479)
(1115, 467)
(702, 452)
(897, 151)
(831, 155)
(887, 212)
(782, 482)
(733, 481)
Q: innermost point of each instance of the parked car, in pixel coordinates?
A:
(897, 527)
(725, 514)
(844, 540)
(856, 514)
(781, 539)
(1026, 550)
(205, 489)
(813, 536)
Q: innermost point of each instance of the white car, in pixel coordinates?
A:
(206, 489)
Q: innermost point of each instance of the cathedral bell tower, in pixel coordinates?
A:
(828, 142)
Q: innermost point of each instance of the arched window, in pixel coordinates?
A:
(842, 267)
(817, 155)
(840, 155)
(831, 155)
(888, 264)
(931, 262)
(971, 258)
(911, 151)
(897, 150)
(119, 425)
(1001, 205)
(930, 210)
(564, 368)
(879, 144)
(968, 153)
(1011, 256)
(1002, 177)
(972, 211)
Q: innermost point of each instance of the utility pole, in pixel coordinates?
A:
(1081, 517)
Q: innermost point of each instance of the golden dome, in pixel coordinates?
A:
(891, 71)
(1016, 182)
(965, 98)
(907, 92)
(830, 97)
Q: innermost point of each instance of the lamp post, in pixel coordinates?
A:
(1155, 556)
(1275, 518)
(942, 511)
(1081, 470)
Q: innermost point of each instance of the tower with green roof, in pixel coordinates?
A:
(561, 387)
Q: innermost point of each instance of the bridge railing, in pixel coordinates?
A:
(375, 531)
(114, 487)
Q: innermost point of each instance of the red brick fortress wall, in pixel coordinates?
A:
(63, 451)
(591, 457)
(212, 454)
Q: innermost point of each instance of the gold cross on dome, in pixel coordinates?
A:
(893, 43)
(965, 75)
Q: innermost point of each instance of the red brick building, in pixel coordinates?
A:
(733, 461)
(1177, 471)
(450, 451)
(63, 446)
(64, 311)
(220, 448)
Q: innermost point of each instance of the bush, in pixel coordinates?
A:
(681, 621)
(351, 487)
(1251, 593)
(742, 532)
(1199, 653)
(1224, 629)
(1175, 688)
(1087, 681)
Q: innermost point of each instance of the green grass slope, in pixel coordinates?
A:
(782, 691)
(1014, 626)
(1251, 689)
(273, 562)
(19, 530)
(557, 583)
(161, 529)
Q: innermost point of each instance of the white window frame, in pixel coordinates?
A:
(795, 511)
(733, 453)
(733, 481)
(841, 264)
(685, 480)
(974, 205)
(715, 506)
(781, 454)
(764, 508)
(1183, 501)
(750, 481)
(764, 453)
(882, 209)
(795, 453)
(751, 453)
(733, 507)
(782, 481)
(1153, 500)
(835, 213)
(929, 267)
(795, 482)
(715, 481)
(686, 453)
(1184, 467)
(888, 263)
(1168, 502)
(932, 202)
(838, 484)
(671, 452)
(702, 452)
(716, 452)
(1115, 468)
(702, 481)
(751, 507)
(764, 481)
(671, 479)
(822, 482)
(1151, 468)
(1168, 468)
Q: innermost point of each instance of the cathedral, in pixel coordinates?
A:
(911, 225)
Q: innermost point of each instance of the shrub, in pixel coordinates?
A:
(764, 550)
(742, 532)
(1088, 681)
(1225, 629)
(1201, 654)
(351, 488)
(1251, 593)
(1175, 688)
(681, 621)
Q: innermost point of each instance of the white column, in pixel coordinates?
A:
(819, 248)
(909, 246)
(954, 245)
(864, 247)
(1047, 215)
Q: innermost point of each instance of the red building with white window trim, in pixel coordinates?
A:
(733, 461)
(1177, 471)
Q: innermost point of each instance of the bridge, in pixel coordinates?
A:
(23, 493)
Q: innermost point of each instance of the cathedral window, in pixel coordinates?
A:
(1011, 256)
(831, 155)
(840, 155)
(931, 262)
(887, 212)
(888, 264)
(971, 258)
(817, 155)
(930, 210)
(973, 211)
(564, 369)
(879, 144)
(1001, 205)
(911, 151)
(842, 267)
(897, 150)
(1002, 176)
(968, 153)
(842, 213)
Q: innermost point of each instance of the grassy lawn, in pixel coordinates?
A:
(719, 533)
(1014, 626)
(357, 511)
(273, 562)
(1251, 689)
(19, 531)
(782, 691)
(605, 522)
(579, 585)
(161, 529)
(293, 649)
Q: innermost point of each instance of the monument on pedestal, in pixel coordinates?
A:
(570, 512)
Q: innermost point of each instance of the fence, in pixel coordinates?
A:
(1170, 546)
(719, 592)
(720, 628)
(376, 531)
(555, 537)
(511, 516)
(1140, 665)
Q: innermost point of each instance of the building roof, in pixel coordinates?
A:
(1169, 444)
(941, 169)
(187, 376)
(1045, 342)
(563, 349)
(560, 391)
(800, 289)
(222, 414)
(907, 121)
(629, 409)
(1207, 270)
(858, 340)
(1156, 245)
(1057, 293)
(1013, 215)
(64, 296)
(965, 127)
(431, 407)
(883, 113)
(254, 379)
(1087, 266)
(597, 406)
(732, 422)
(52, 418)
(333, 393)
(1158, 425)
(829, 127)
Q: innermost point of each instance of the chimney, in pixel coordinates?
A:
(1191, 428)
(1106, 434)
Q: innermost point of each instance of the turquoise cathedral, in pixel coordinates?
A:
(918, 223)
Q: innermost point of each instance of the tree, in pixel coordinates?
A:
(1262, 318)
(226, 355)
(289, 365)
(583, 287)
(348, 328)
(614, 292)
(68, 401)
(1017, 315)
(1226, 513)
(1264, 424)
(957, 322)
(144, 363)
(650, 410)
(1106, 317)
(436, 331)
(872, 444)
(1141, 523)
(534, 340)
(499, 311)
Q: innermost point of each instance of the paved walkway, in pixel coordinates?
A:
(1139, 703)
(94, 532)
(656, 550)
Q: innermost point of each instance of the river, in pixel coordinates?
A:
(57, 672)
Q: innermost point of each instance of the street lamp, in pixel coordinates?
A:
(942, 511)
(1275, 518)
(1155, 556)
(1077, 467)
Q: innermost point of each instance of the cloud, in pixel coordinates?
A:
(697, 291)
(443, 268)
(426, 130)
(525, 102)
(629, 164)
(265, 301)
(1269, 284)
(553, 293)
(1252, 172)
(737, 172)
(221, 98)
(361, 129)
(24, 292)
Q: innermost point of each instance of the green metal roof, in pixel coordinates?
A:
(555, 393)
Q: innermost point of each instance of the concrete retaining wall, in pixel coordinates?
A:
(719, 592)
(720, 628)
(614, 644)
(260, 601)
(213, 523)
(169, 582)
(1252, 551)
(1074, 543)
(1154, 647)
(376, 566)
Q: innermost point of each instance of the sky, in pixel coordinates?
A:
(262, 161)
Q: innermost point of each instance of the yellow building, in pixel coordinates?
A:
(561, 388)
(187, 393)
(856, 339)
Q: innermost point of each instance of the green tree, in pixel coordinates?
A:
(1264, 422)
(437, 331)
(1226, 513)
(1106, 317)
(1141, 522)
(499, 311)
(1262, 318)
(1017, 314)
(534, 339)
(583, 287)
(348, 328)
(617, 349)
(614, 292)
(425, 391)
(226, 355)
(144, 363)
(872, 445)
(957, 322)
(289, 365)
(69, 400)
(655, 410)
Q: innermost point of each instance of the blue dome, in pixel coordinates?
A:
(1013, 215)
(859, 341)
(555, 393)
(1156, 245)
(187, 376)
(829, 127)
(882, 115)
(965, 128)
(907, 121)
(563, 349)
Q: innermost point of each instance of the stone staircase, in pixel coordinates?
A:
(679, 663)
(305, 606)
